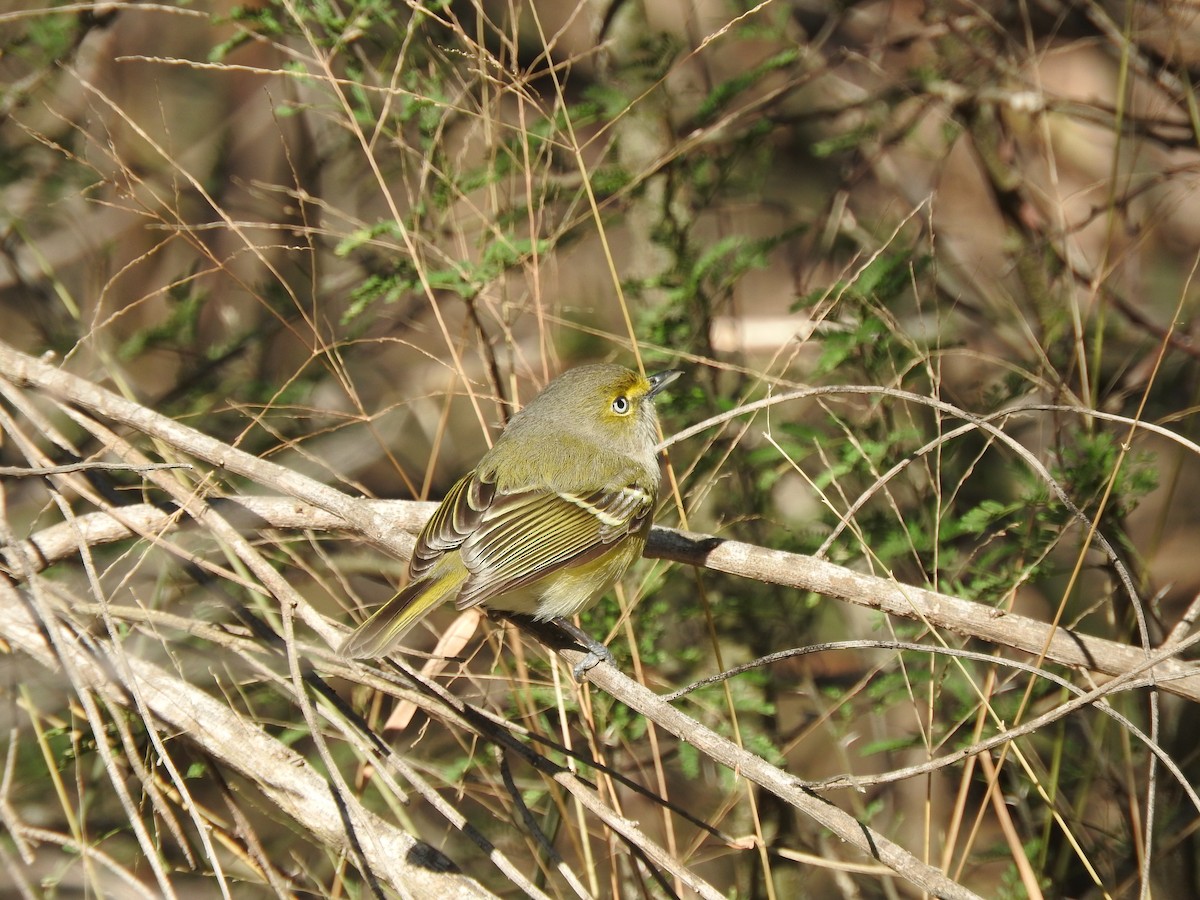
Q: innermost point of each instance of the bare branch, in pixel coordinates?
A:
(37, 471)
(965, 617)
(285, 776)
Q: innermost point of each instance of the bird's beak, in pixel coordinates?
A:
(660, 380)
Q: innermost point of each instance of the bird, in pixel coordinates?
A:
(551, 517)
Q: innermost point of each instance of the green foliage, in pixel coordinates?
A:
(845, 141)
(754, 712)
(725, 93)
(1012, 885)
(333, 27)
(889, 745)
(178, 329)
(43, 39)
(1093, 463)
(262, 19)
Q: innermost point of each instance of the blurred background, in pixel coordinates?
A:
(353, 237)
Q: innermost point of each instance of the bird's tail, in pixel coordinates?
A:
(380, 634)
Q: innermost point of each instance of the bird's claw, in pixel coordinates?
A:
(597, 653)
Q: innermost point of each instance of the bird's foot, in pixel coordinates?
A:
(597, 652)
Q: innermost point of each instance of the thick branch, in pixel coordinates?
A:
(24, 370)
(1065, 647)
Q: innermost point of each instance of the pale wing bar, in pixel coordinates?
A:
(508, 550)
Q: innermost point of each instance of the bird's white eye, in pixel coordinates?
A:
(621, 405)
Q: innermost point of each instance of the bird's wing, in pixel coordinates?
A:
(455, 519)
(524, 536)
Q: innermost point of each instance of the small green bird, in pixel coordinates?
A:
(551, 517)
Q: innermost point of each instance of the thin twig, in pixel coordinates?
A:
(1096, 697)
(284, 776)
(68, 468)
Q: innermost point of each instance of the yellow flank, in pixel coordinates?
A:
(573, 589)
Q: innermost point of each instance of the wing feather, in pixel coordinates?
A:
(509, 540)
(523, 537)
(455, 519)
